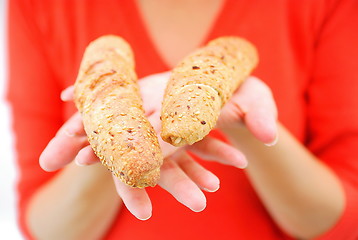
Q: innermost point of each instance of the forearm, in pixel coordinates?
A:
(79, 203)
(303, 196)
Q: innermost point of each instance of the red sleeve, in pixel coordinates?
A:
(33, 93)
(333, 107)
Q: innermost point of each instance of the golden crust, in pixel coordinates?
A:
(185, 114)
(218, 68)
(107, 95)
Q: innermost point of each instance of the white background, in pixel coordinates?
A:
(8, 223)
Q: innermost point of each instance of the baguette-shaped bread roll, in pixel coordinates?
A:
(107, 95)
(200, 85)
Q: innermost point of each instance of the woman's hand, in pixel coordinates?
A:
(181, 176)
(251, 106)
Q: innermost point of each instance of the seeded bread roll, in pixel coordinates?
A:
(200, 85)
(107, 95)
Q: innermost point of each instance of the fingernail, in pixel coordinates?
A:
(208, 190)
(67, 94)
(243, 162)
(78, 163)
(198, 210)
(69, 133)
(63, 97)
(244, 165)
(273, 143)
(144, 219)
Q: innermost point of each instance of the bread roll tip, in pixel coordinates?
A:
(201, 84)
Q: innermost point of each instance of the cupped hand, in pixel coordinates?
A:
(181, 176)
(252, 105)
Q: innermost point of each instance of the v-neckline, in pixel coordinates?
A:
(147, 40)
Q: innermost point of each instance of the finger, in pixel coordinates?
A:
(215, 150)
(136, 200)
(68, 94)
(60, 151)
(262, 125)
(259, 109)
(155, 121)
(181, 187)
(205, 179)
(157, 83)
(63, 148)
(86, 156)
(73, 127)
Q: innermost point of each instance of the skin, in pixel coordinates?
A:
(281, 181)
(187, 28)
(181, 176)
(291, 181)
(292, 184)
(75, 192)
(279, 174)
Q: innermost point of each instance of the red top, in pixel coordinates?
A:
(308, 56)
